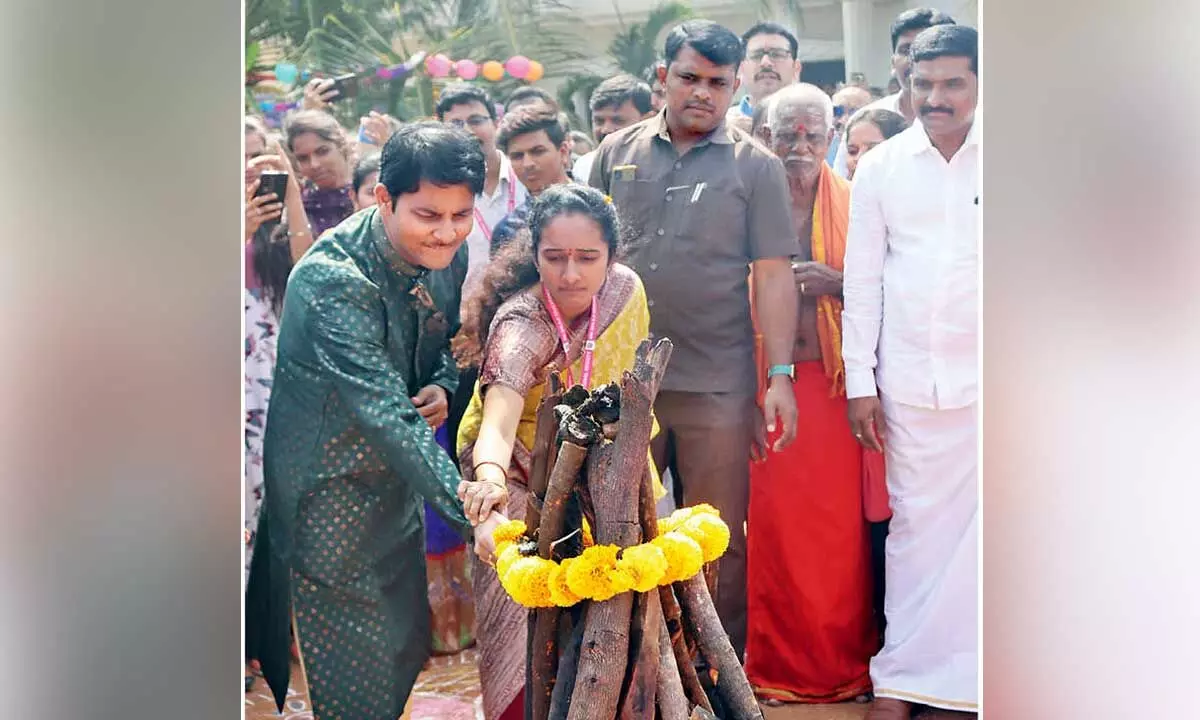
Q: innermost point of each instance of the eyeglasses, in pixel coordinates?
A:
(474, 121)
(776, 54)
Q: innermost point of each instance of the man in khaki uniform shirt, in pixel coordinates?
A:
(700, 204)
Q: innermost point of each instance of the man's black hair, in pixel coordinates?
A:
(717, 43)
(433, 152)
(947, 41)
(528, 120)
(917, 19)
(651, 75)
(770, 28)
(618, 90)
(462, 93)
(527, 93)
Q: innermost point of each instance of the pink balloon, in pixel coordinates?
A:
(437, 65)
(466, 69)
(517, 66)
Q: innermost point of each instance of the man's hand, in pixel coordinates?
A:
(780, 403)
(866, 422)
(758, 444)
(480, 497)
(485, 545)
(814, 279)
(318, 93)
(430, 401)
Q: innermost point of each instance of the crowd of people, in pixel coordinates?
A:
(812, 258)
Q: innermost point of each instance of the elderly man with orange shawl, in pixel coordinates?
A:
(811, 630)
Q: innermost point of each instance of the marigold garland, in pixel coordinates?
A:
(688, 538)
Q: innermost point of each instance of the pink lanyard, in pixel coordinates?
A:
(589, 345)
(512, 204)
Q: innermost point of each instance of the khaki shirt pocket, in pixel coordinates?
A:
(717, 218)
(639, 205)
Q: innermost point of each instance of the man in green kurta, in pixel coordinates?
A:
(363, 365)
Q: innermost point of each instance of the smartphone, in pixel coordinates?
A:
(272, 181)
(346, 85)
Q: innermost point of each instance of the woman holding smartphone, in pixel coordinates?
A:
(270, 248)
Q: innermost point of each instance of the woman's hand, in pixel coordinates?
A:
(319, 93)
(376, 128)
(260, 208)
(485, 544)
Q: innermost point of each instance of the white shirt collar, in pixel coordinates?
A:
(919, 142)
(506, 175)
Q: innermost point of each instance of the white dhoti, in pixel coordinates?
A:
(930, 654)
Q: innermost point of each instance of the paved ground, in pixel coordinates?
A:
(448, 689)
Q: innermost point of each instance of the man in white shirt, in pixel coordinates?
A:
(905, 27)
(910, 346)
(469, 107)
(616, 103)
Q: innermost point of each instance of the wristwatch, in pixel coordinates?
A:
(789, 370)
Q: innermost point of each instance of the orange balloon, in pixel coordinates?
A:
(492, 70)
(535, 72)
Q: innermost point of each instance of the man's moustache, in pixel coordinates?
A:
(928, 110)
(767, 73)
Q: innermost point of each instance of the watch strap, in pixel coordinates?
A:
(789, 370)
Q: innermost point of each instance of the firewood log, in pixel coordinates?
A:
(673, 620)
(643, 639)
(702, 623)
(604, 657)
(543, 644)
(672, 701)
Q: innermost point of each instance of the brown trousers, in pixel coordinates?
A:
(704, 440)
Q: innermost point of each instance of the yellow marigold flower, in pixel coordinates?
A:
(527, 581)
(560, 592)
(684, 556)
(595, 575)
(682, 515)
(510, 531)
(709, 532)
(506, 554)
(588, 540)
(646, 564)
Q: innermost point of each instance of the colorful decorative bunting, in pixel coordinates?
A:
(517, 66)
(492, 70)
(436, 66)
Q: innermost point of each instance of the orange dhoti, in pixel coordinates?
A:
(811, 631)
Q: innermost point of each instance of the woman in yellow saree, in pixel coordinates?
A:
(561, 278)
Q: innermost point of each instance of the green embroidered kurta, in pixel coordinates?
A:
(348, 462)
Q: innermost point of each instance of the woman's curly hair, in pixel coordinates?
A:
(514, 267)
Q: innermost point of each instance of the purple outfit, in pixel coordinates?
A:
(326, 208)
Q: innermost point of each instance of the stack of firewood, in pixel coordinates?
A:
(634, 655)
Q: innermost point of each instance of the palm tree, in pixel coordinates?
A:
(335, 36)
(634, 50)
